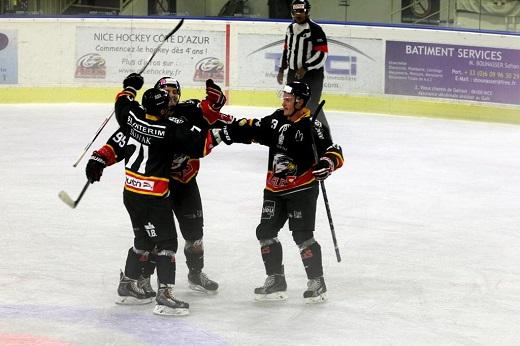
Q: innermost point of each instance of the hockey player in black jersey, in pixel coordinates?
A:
(291, 189)
(186, 200)
(149, 139)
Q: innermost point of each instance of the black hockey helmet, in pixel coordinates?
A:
(154, 100)
(298, 5)
(168, 81)
(298, 89)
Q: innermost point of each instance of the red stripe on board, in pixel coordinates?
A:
(226, 78)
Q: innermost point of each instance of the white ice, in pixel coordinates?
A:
(426, 212)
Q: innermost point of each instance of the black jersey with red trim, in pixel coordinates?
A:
(291, 156)
(184, 168)
(149, 143)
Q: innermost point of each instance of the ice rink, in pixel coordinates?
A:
(426, 211)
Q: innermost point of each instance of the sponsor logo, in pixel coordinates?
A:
(91, 65)
(268, 209)
(296, 214)
(150, 229)
(139, 183)
(207, 68)
(144, 128)
(339, 65)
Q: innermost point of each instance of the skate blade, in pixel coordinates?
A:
(132, 301)
(316, 300)
(199, 288)
(164, 310)
(271, 297)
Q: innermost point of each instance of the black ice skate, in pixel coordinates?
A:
(168, 305)
(144, 283)
(315, 292)
(130, 293)
(274, 288)
(199, 281)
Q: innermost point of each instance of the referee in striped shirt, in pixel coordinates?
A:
(304, 53)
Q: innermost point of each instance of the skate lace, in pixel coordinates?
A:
(313, 284)
(145, 284)
(204, 278)
(136, 288)
(269, 281)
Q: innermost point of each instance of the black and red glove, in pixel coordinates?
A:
(98, 161)
(214, 95)
(323, 168)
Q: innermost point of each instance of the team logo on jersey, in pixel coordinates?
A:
(283, 166)
(298, 137)
(281, 136)
(91, 65)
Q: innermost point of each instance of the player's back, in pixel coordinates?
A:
(148, 154)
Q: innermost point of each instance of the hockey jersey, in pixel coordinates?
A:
(291, 156)
(148, 144)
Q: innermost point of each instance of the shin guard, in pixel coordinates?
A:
(194, 252)
(272, 255)
(310, 252)
(166, 267)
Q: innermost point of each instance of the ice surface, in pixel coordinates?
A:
(426, 211)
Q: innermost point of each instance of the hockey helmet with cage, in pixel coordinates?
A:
(155, 100)
(168, 82)
(298, 89)
(298, 5)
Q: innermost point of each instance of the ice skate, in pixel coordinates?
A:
(199, 281)
(144, 283)
(316, 291)
(167, 305)
(130, 293)
(274, 289)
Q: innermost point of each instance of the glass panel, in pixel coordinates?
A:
(484, 15)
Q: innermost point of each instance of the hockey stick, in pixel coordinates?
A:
(322, 185)
(68, 201)
(177, 27)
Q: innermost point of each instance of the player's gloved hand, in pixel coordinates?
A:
(323, 168)
(134, 81)
(300, 73)
(221, 135)
(214, 95)
(279, 77)
(95, 166)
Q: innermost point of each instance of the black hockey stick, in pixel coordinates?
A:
(322, 185)
(68, 201)
(177, 27)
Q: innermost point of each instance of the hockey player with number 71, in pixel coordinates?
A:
(150, 141)
(291, 189)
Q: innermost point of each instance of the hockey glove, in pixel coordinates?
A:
(98, 161)
(134, 81)
(323, 168)
(214, 95)
(221, 135)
